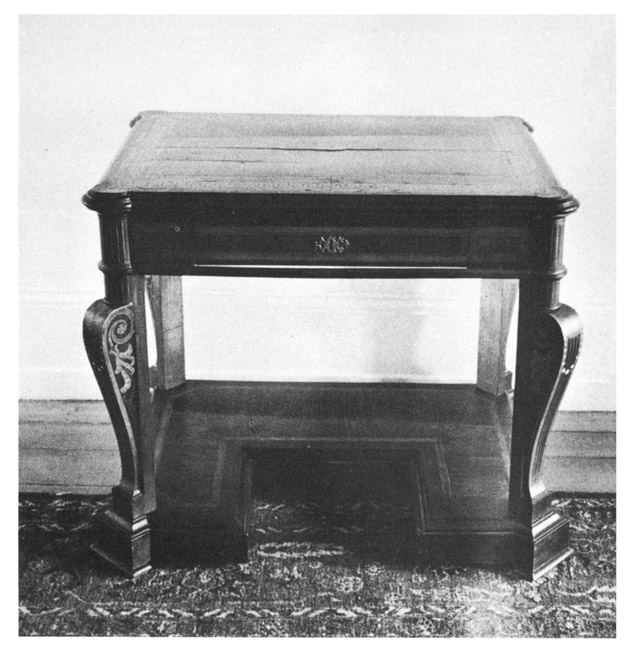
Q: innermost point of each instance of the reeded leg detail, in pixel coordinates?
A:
(548, 347)
(122, 534)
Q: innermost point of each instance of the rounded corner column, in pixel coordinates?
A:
(114, 338)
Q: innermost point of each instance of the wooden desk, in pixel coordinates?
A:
(322, 197)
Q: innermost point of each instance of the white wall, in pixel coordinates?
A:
(83, 78)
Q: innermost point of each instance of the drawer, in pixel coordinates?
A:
(328, 246)
(183, 239)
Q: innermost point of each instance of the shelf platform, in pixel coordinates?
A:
(445, 446)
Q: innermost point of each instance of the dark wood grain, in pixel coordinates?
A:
(340, 196)
(446, 437)
(116, 344)
(187, 214)
(497, 301)
(549, 340)
(165, 295)
(110, 340)
(249, 153)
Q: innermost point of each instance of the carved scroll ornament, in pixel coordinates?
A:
(119, 339)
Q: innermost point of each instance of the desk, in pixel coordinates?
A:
(325, 197)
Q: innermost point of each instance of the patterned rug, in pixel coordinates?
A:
(312, 571)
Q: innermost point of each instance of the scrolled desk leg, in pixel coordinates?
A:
(549, 339)
(122, 532)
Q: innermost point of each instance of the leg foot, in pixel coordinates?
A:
(126, 545)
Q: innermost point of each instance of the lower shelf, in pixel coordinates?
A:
(435, 459)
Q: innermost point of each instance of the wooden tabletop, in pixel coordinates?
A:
(182, 152)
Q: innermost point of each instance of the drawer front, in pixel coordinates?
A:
(499, 248)
(173, 242)
(328, 246)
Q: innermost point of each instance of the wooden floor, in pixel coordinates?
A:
(69, 446)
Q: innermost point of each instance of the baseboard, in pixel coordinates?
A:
(69, 446)
(79, 384)
(341, 330)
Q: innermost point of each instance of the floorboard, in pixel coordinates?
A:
(69, 446)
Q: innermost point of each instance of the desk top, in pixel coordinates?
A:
(331, 155)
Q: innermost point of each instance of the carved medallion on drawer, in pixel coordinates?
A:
(331, 244)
